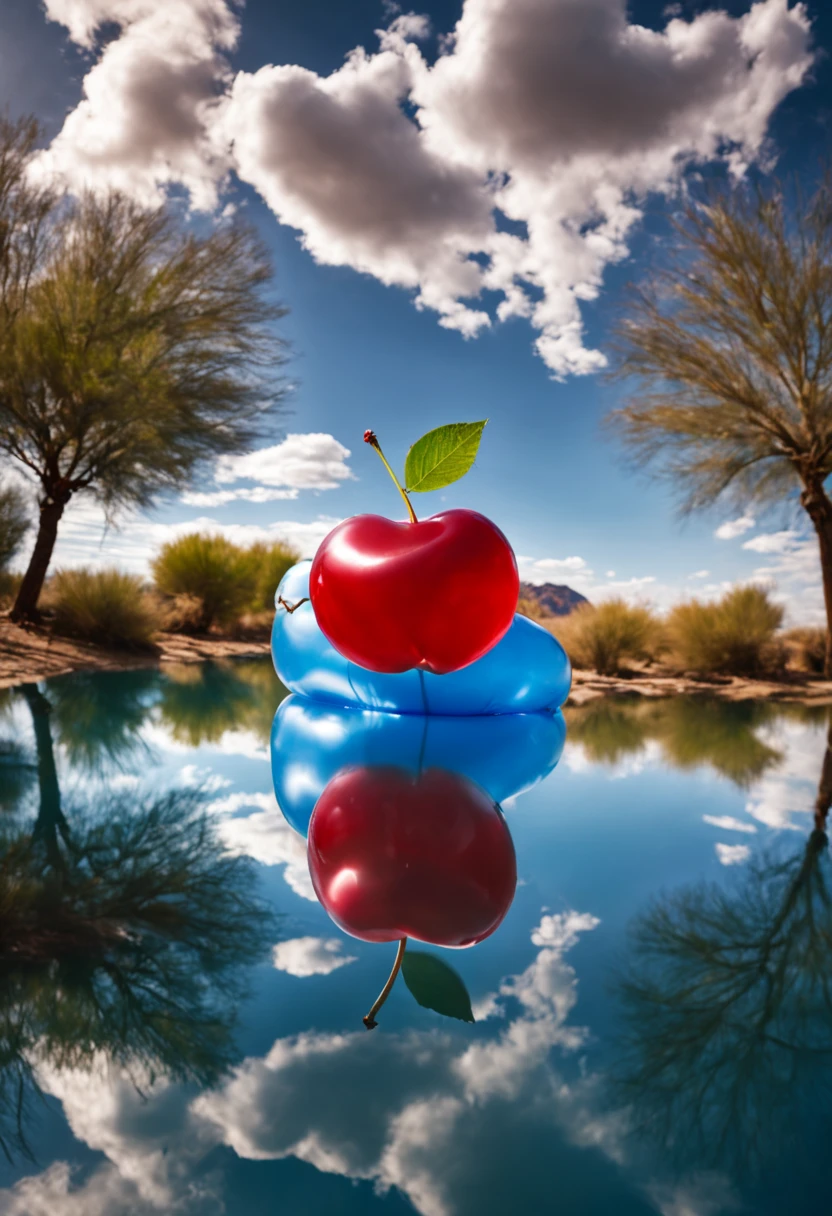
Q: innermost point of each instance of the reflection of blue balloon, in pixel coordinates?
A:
(313, 740)
(527, 671)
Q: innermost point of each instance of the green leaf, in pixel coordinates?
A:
(436, 986)
(443, 455)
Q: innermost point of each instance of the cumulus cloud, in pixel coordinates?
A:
(149, 109)
(552, 118)
(732, 854)
(734, 527)
(302, 462)
(304, 956)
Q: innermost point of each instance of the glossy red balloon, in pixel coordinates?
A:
(436, 594)
(394, 855)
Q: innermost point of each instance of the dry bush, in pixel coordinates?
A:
(179, 614)
(206, 568)
(807, 648)
(268, 564)
(104, 606)
(735, 635)
(600, 637)
(9, 586)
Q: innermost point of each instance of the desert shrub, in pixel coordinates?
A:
(602, 636)
(268, 564)
(734, 635)
(209, 568)
(9, 586)
(530, 608)
(14, 523)
(807, 648)
(179, 613)
(105, 606)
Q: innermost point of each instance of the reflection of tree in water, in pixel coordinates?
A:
(200, 702)
(728, 1009)
(123, 930)
(98, 716)
(691, 731)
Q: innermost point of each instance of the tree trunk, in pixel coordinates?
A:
(51, 821)
(816, 503)
(26, 605)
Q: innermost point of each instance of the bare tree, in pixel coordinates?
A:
(729, 347)
(132, 347)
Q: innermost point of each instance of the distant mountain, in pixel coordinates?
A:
(555, 598)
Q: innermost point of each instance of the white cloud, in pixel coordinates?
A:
(304, 956)
(561, 115)
(86, 539)
(728, 823)
(772, 542)
(302, 462)
(148, 116)
(734, 527)
(221, 498)
(700, 574)
(732, 854)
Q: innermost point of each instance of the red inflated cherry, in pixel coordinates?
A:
(435, 594)
(395, 855)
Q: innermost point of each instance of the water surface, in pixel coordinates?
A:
(180, 1023)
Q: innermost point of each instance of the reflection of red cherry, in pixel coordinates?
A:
(437, 593)
(393, 855)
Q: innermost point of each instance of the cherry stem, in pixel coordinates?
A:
(291, 607)
(370, 437)
(370, 1020)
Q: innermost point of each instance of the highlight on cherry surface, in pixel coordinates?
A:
(434, 594)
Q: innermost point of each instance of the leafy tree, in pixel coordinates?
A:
(729, 347)
(132, 348)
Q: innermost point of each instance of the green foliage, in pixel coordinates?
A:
(442, 456)
(14, 523)
(735, 635)
(104, 606)
(268, 565)
(134, 348)
(601, 637)
(436, 986)
(210, 568)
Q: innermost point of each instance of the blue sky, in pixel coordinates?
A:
(562, 110)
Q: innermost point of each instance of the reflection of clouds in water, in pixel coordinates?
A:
(151, 1141)
(303, 956)
(732, 854)
(410, 1110)
(266, 836)
(790, 788)
(648, 755)
(205, 778)
(728, 823)
(245, 743)
(708, 1195)
(402, 1110)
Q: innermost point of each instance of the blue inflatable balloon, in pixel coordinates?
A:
(313, 740)
(526, 671)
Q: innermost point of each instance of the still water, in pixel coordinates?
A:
(180, 1023)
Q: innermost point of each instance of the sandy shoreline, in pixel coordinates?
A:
(35, 654)
(38, 655)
